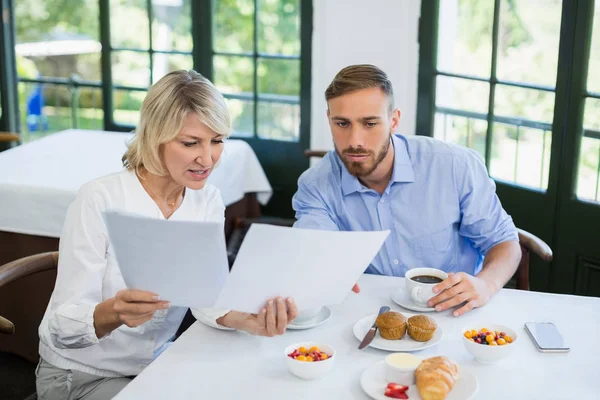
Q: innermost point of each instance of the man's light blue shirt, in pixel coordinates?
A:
(440, 206)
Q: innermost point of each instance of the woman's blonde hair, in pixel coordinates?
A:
(164, 109)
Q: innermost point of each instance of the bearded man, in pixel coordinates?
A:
(436, 198)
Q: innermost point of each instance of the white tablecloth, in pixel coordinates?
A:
(209, 364)
(39, 180)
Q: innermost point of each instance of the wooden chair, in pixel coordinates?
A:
(26, 285)
(530, 244)
(528, 241)
(8, 139)
(25, 288)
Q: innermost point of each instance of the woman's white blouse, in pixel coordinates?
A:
(88, 274)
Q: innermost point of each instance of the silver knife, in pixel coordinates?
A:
(371, 334)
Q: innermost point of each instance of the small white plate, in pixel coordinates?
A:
(402, 298)
(319, 319)
(373, 382)
(407, 344)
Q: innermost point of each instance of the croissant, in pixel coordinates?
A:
(436, 377)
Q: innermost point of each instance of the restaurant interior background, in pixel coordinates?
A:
(516, 80)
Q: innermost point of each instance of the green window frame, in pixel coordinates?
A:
(570, 93)
(202, 56)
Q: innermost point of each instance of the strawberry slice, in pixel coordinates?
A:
(395, 395)
(397, 388)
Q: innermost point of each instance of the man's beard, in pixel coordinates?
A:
(362, 169)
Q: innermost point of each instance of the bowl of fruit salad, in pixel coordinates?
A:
(489, 343)
(309, 360)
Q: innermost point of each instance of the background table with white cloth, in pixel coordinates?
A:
(205, 363)
(40, 179)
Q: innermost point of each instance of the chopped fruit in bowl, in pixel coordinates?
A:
(489, 343)
(396, 391)
(488, 337)
(313, 354)
(309, 360)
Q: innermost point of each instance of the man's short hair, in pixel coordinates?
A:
(357, 77)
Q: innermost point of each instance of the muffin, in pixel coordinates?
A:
(421, 328)
(392, 325)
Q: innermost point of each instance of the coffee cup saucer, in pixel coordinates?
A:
(402, 298)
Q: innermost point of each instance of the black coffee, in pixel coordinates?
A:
(426, 279)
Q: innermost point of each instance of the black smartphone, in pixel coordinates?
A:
(546, 337)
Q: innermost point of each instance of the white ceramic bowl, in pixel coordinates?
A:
(310, 370)
(485, 353)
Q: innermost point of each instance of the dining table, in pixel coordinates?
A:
(207, 363)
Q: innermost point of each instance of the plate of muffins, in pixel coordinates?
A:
(400, 331)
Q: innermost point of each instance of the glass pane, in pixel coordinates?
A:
(127, 105)
(129, 24)
(521, 155)
(462, 94)
(279, 77)
(528, 41)
(234, 26)
(591, 116)
(89, 113)
(278, 121)
(279, 27)
(165, 63)
(242, 117)
(588, 174)
(464, 131)
(130, 68)
(593, 79)
(233, 74)
(528, 104)
(45, 109)
(56, 42)
(172, 25)
(465, 37)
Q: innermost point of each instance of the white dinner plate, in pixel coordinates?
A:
(373, 382)
(319, 319)
(363, 325)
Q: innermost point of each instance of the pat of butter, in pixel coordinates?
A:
(403, 361)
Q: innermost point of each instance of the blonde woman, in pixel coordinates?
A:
(97, 334)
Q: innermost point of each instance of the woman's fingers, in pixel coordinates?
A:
(292, 310)
(134, 296)
(271, 321)
(282, 316)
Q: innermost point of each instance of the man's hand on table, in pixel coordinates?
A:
(267, 322)
(460, 288)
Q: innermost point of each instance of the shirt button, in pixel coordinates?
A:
(383, 200)
(396, 262)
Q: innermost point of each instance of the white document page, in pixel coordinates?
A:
(183, 262)
(316, 268)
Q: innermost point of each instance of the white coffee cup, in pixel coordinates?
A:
(421, 292)
(307, 315)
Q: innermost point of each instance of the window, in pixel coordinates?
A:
(90, 65)
(58, 66)
(588, 176)
(495, 83)
(256, 65)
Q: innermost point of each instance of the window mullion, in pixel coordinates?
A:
(106, 67)
(493, 80)
(255, 75)
(150, 48)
